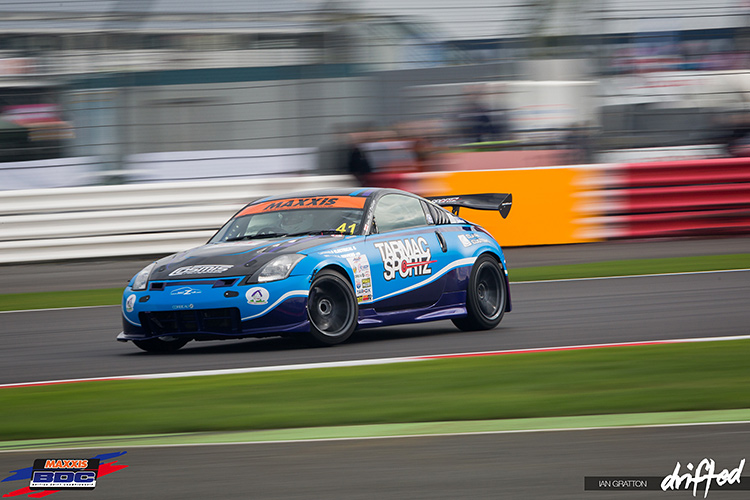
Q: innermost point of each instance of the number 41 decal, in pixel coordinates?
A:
(343, 227)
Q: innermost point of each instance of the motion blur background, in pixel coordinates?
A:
(115, 91)
(568, 104)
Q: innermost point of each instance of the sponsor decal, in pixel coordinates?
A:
(476, 239)
(405, 258)
(472, 239)
(257, 296)
(201, 269)
(301, 203)
(183, 306)
(130, 303)
(51, 475)
(185, 290)
(343, 250)
(362, 276)
(446, 201)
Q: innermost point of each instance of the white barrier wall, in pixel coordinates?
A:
(158, 167)
(132, 219)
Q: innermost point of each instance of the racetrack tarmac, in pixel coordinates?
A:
(48, 345)
(78, 343)
(533, 465)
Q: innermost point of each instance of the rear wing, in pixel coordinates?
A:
(488, 201)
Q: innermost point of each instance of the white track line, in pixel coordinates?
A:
(563, 280)
(58, 309)
(364, 362)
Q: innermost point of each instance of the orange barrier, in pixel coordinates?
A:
(544, 199)
(578, 204)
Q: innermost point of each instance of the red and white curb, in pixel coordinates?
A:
(366, 362)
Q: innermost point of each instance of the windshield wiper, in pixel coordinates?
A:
(257, 236)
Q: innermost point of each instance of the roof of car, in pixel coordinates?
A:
(363, 192)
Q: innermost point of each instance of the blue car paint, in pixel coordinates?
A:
(430, 286)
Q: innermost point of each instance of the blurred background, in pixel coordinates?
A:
(113, 91)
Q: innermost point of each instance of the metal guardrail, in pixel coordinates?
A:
(127, 220)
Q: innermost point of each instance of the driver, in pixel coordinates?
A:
(295, 221)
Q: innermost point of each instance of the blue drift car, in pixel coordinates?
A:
(323, 265)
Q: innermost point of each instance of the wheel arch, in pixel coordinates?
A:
(500, 262)
(333, 266)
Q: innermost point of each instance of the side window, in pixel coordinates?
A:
(396, 211)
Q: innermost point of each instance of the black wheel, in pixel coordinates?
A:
(161, 345)
(331, 308)
(486, 296)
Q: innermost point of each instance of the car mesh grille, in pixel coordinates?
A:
(225, 320)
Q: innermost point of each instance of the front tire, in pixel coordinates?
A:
(486, 296)
(332, 309)
(161, 345)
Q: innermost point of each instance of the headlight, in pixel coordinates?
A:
(141, 279)
(279, 268)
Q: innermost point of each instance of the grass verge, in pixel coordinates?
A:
(632, 267)
(112, 296)
(52, 300)
(658, 378)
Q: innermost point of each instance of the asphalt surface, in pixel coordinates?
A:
(62, 344)
(535, 465)
(49, 345)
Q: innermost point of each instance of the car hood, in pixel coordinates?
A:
(216, 260)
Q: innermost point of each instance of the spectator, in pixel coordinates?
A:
(357, 163)
(475, 120)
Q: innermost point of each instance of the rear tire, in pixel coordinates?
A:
(486, 296)
(331, 308)
(161, 345)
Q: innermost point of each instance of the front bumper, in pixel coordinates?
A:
(201, 310)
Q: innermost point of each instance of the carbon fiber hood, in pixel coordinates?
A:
(240, 258)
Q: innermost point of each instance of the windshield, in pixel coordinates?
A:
(291, 223)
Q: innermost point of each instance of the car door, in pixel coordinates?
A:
(405, 255)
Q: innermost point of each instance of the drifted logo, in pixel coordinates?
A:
(705, 472)
(407, 258)
(697, 480)
(55, 474)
